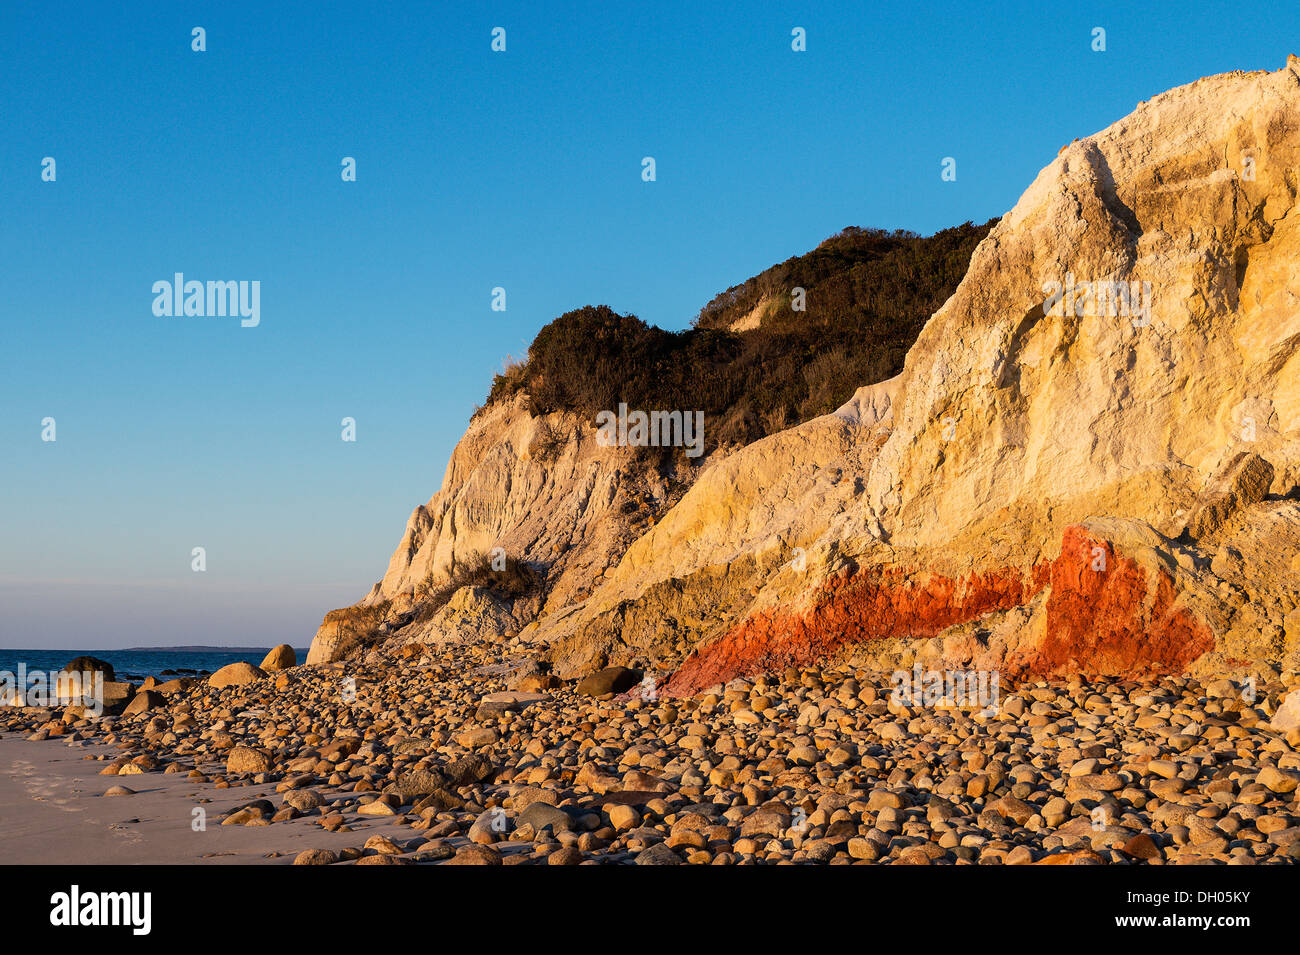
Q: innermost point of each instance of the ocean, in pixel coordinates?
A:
(135, 665)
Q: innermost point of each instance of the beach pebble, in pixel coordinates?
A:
(316, 857)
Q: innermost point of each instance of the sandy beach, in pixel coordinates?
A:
(55, 813)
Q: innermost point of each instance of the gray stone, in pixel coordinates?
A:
(658, 854)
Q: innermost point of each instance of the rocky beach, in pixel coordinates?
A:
(471, 755)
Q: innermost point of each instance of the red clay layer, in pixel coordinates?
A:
(1097, 621)
(1111, 621)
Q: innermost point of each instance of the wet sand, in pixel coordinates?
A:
(53, 812)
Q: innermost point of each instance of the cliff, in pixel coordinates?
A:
(1088, 462)
(1085, 484)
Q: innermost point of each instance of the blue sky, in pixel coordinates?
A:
(475, 169)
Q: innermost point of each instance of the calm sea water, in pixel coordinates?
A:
(135, 665)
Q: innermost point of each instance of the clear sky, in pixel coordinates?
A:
(475, 169)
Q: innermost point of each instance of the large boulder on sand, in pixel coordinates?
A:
(144, 701)
(88, 664)
(236, 674)
(281, 658)
(245, 759)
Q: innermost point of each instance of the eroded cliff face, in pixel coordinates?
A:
(542, 490)
(1066, 478)
(1089, 463)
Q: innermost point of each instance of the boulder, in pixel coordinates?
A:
(144, 701)
(116, 696)
(281, 658)
(89, 664)
(609, 680)
(1287, 717)
(245, 759)
(178, 685)
(235, 674)
(1243, 481)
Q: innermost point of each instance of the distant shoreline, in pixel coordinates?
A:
(196, 649)
(187, 649)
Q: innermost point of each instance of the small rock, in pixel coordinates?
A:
(624, 817)
(566, 855)
(542, 815)
(658, 854)
(474, 854)
(304, 800)
(144, 701)
(477, 737)
(316, 857)
(1141, 846)
(1278, 781)
(383, 845)
(609, 680)
(377, 807)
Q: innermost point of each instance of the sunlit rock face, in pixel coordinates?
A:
(1089, 463)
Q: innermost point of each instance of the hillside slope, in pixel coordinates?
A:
(532, 484)
(1049, 486)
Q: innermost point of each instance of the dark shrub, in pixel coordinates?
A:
(868, 293)
(358, 625)
(548, 442)
(515, 579)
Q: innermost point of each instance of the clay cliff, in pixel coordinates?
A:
(535, 509)
(534, 489)
(1089, 462)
